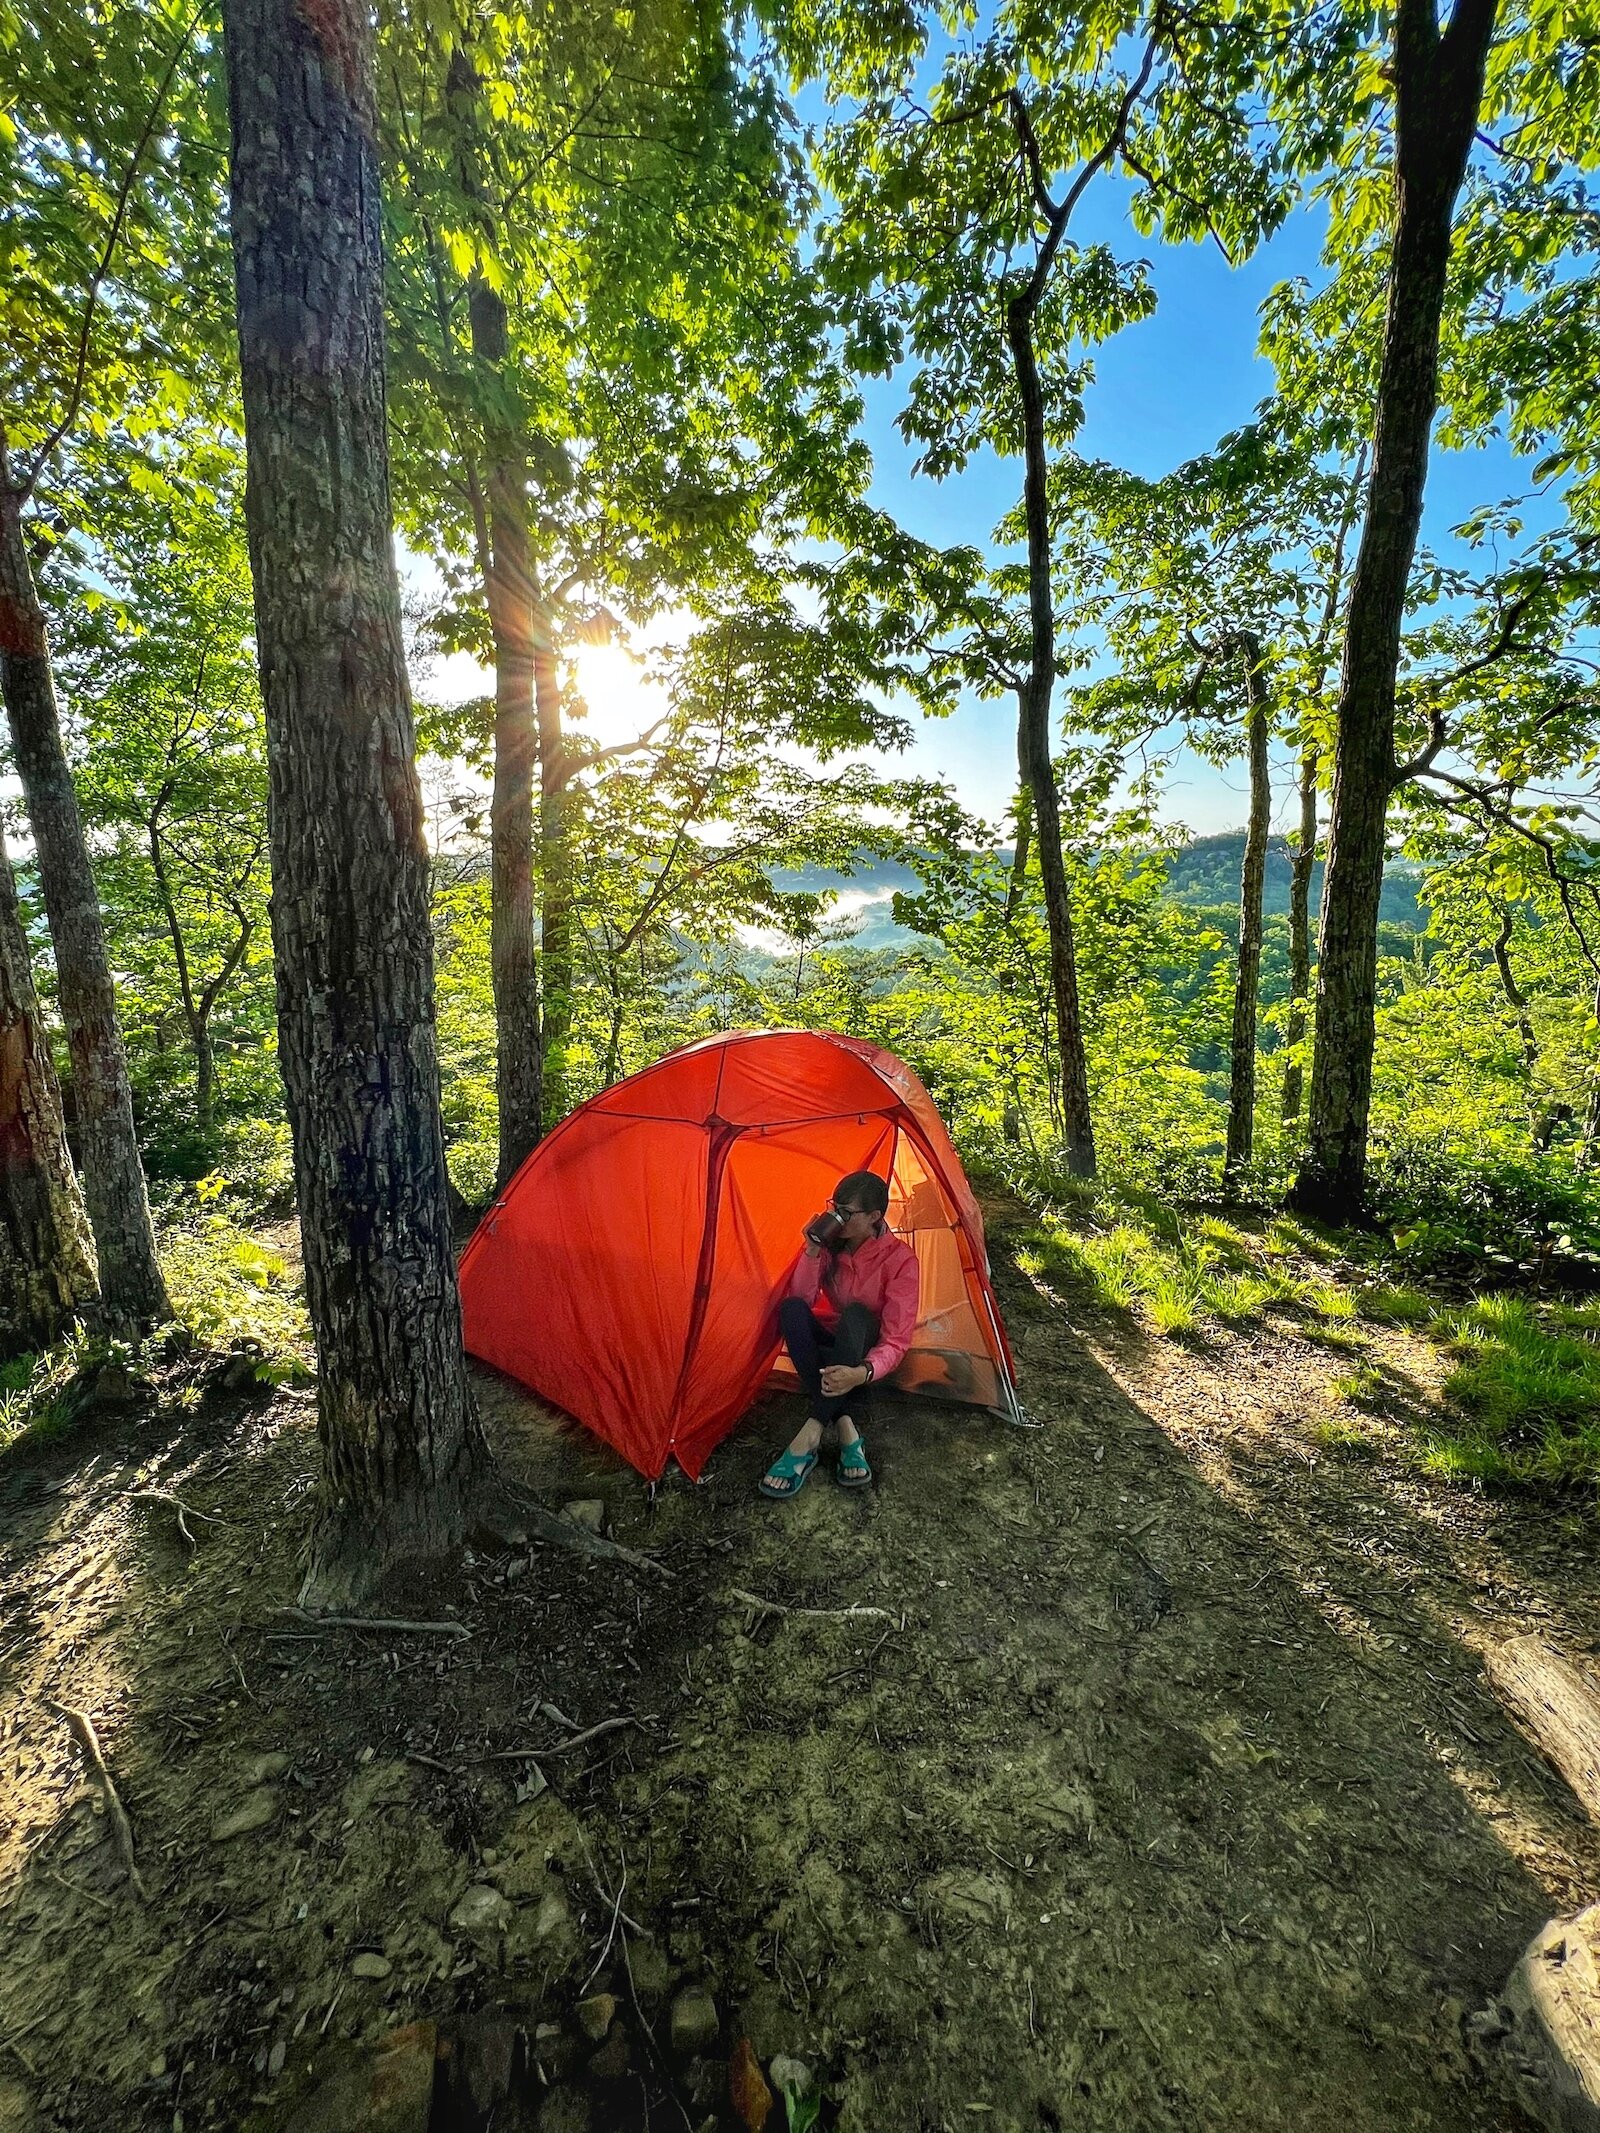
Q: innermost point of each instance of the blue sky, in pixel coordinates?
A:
(1164, 390)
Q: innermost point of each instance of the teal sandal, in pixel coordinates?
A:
(853, 1472)
(787, 1475)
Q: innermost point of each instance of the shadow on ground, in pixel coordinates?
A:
(1161, 1791)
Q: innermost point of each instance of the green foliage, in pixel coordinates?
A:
(1179, 1271)
(1528, 1384)
(229, 1287)
(1343, 1438)
(37, 1402)
(172, 782)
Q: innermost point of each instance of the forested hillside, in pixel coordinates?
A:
(536, 537)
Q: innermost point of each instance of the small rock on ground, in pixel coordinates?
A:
(482, 1912)
(257, 1810)
(595, 2014)
(693, 2021)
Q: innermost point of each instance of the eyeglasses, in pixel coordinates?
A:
(844, 1213)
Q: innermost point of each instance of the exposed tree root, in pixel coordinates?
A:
(121, 1829)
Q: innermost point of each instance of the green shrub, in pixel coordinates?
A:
(227, 1286)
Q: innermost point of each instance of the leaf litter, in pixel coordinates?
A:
(1139, 1771)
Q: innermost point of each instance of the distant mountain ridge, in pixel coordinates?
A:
(1203, 874)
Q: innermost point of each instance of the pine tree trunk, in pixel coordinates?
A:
(1033, 749)
(1247, 986)
(402, 1447)
(556, 915)
(510, 591)
(133, 1294)
(47, 1275)
(1305, 860)
(1439, 87)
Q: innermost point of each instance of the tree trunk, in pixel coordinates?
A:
(47, 1273)
(403, 1451)
(133, 1295)
(1020, 854)
(198, 1022)
(1033, 749)
(556, 916)
(1300, 873)
(509, 590)
(1247, 986)
(1438, 90)
(1516, 998)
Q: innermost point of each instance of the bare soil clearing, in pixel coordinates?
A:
(1166, 1791)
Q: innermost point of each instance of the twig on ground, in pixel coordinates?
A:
(650, 2039)
(579, 1740)
(185, 1511)
(604, 1893)
(332, 2004)
(11, 2045)
(859, 1666)
(76, 1888)
(395, 1624)
(611, 1934)
(555, 1712)
(776, 1607)
(530, 1518)
(121, 1829)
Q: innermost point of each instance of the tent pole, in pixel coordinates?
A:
(1014, 1409)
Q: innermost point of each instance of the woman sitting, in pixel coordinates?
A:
(847, 1321)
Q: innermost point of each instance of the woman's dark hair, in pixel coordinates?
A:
(867, 1189)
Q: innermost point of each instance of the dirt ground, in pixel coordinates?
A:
(1161, 1788)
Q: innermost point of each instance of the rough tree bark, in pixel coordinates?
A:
(1300, 873)
(47, 1275)
(1252, 884)
(403, 1451)
(1438, 91)
(133, 1294)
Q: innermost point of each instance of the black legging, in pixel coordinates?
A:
(812, 1346)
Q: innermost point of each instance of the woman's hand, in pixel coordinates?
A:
(840, 1378)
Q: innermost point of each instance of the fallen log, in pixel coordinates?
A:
(1557, 1704)
(1540, 2041)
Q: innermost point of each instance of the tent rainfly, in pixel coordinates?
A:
(631, 1271)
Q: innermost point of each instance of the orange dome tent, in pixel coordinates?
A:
(631, 1271)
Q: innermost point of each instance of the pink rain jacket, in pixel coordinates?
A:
(882, 1274)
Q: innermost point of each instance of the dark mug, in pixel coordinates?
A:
(825, 1229)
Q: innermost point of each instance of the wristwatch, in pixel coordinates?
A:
(871, 1373)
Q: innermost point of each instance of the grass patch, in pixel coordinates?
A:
(1343, 1340)
(1392, 1305)
(1173, 1304)
(1179, 1272)
(1528, 1385)
(1343, 1439)
(1364, 1388)
(40, 1395)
